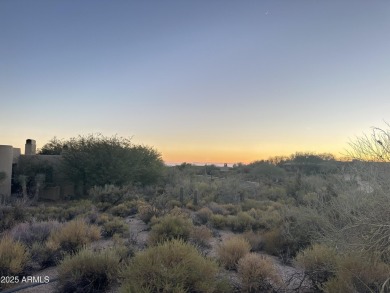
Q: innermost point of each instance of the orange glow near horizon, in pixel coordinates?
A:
(174, 150)
(236, 155)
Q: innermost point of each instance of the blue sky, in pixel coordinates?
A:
(201, 81)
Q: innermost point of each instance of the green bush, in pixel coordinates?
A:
(301, 226)
(13, 257)
(319, 263)
(242, 222)
(72, 236)
(219, 221)
(359, 273)
(231, 250)
(257, 273)
(275, 193)
(170, 227)
(113, 225)
(10, 216)
(63, 212)
(217, 209)
(88, 271)
(172, 266)
(203, 215)
(232, 209)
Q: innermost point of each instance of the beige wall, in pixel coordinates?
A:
(6, 159)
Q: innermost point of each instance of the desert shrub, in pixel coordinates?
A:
(170, 227)
(13, 257)
(76, 208)
(248, 204)
(109, 194)
(242, 222)
(301, 226)
(275, 193)
(231, 250)
(63, 212)
(219, 221)
(43, 256)
(261, 205)
(232, 209)
(273, 242)
(217, 209)
(124, 209)
(257, 273)
(124, 247)
(146, 211)
(223, 285)
(177, 211)
(73, 235)
(112, 225)
(270, 219)
(29, 233)
(255, 240)
(200, 235)
(10, 216)
(172, 266)
(88, 271)
(359, 273)
(203, 215)
(115, 225)
(42, 213)
(173, 203)
(319, 264)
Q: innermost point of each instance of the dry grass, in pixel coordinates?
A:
(13, 257)
(257, 273)
(232, 250)
(88, 271)
(73, 235)
(201, 236)
(170, 227)
(359, 273)
(319, 263)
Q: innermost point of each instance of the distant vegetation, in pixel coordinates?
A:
(97, 160)
(303, 223)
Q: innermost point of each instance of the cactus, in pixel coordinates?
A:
(181, 196)
(195, 199)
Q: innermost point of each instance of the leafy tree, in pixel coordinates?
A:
(264, 171)
(54, 147)
(97, 160)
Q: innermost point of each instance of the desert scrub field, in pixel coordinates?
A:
(241, 231)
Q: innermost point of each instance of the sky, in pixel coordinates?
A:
(201, 81)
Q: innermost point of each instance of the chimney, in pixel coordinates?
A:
(30, 147)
